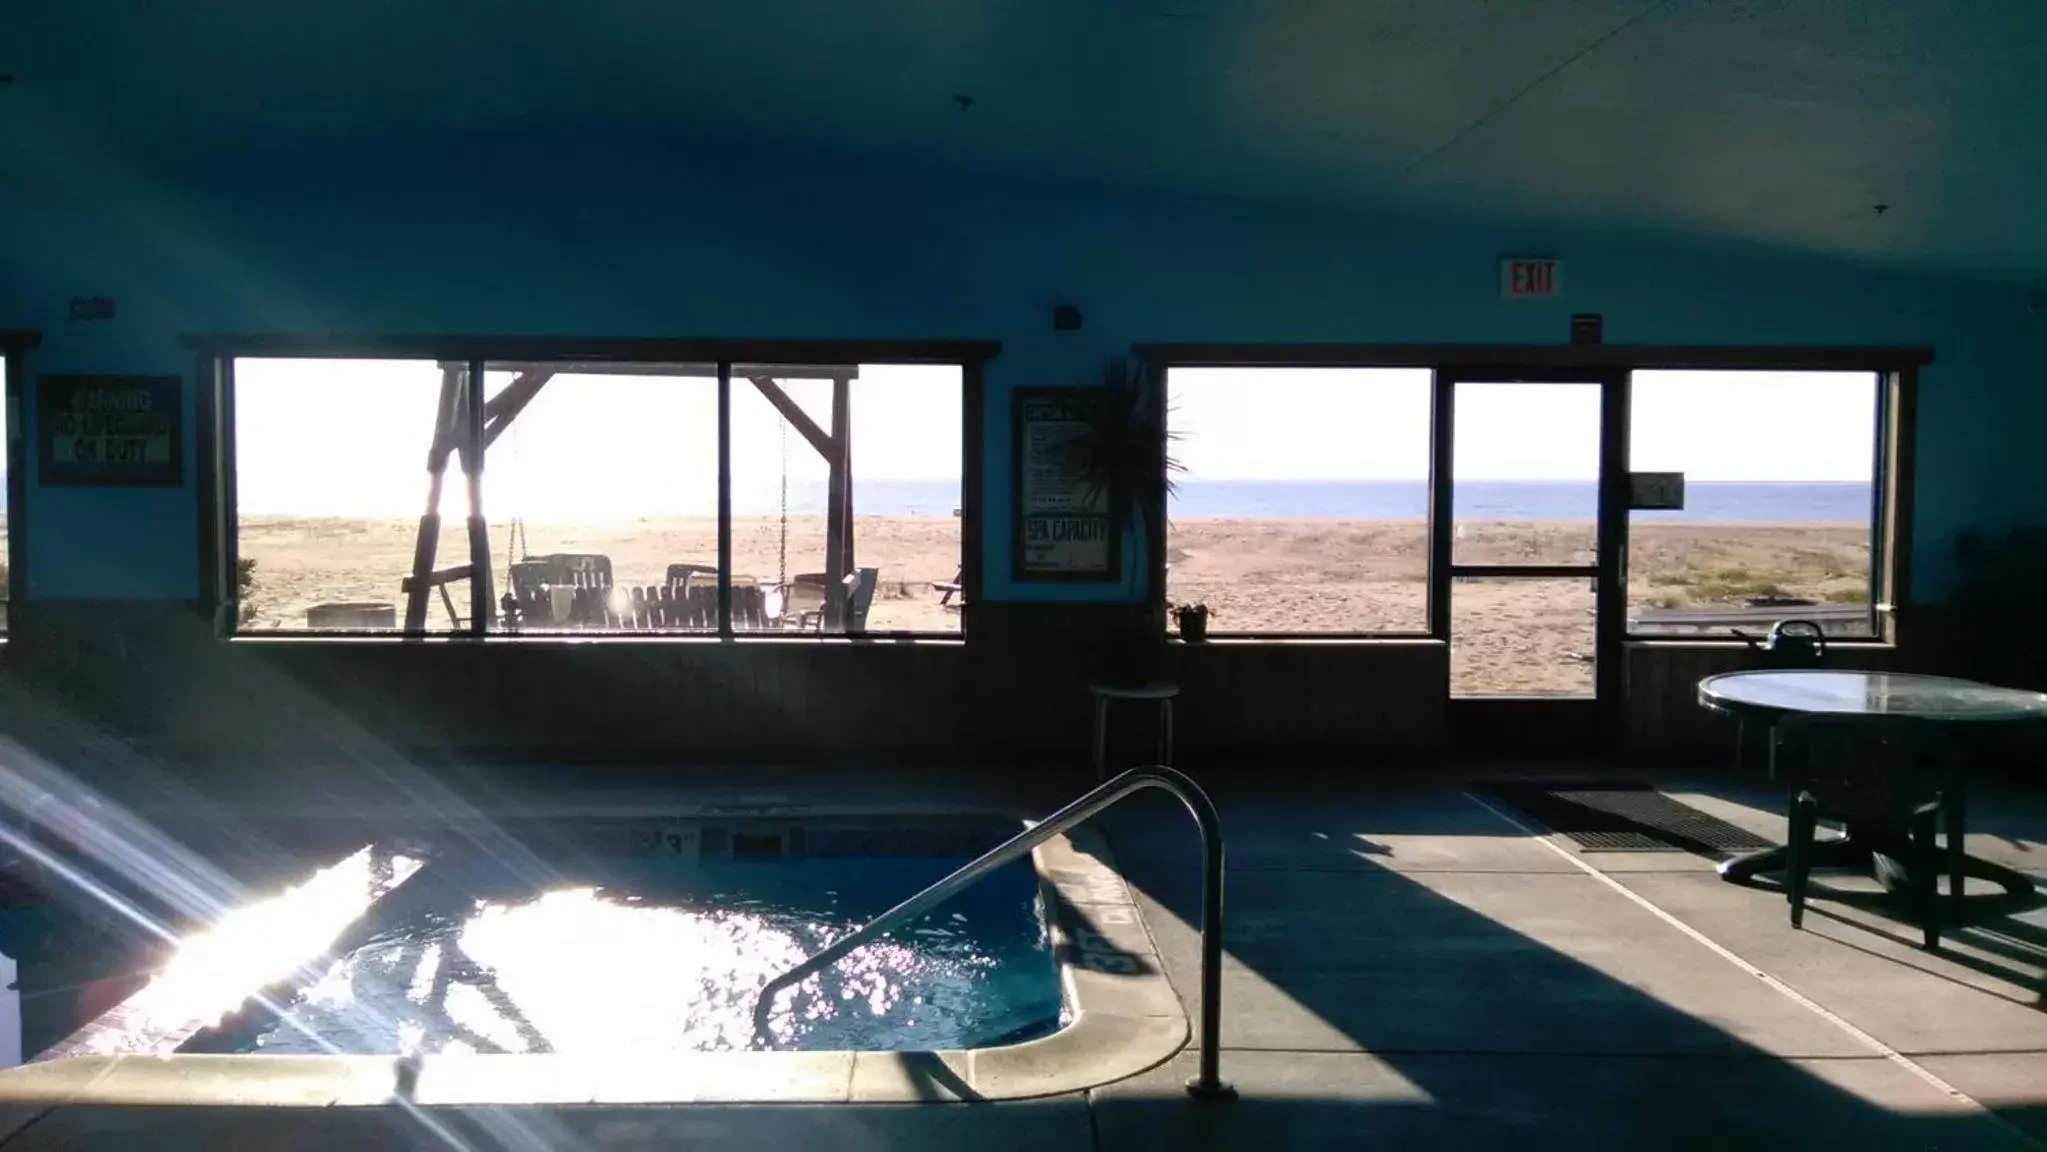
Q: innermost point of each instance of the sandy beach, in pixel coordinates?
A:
(1258, 575)
(303, 561)
(1330, 576)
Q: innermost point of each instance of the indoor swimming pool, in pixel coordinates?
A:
(665, 949)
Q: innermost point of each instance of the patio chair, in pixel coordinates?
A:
(1884, 778)
(856, 596)
(683, 574)
(859, 598)
(544, 587)
(803, 601)
(749, 603)
(948, 590)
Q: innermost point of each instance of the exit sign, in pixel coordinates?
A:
(1529, 279)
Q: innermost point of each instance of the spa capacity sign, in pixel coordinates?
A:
(108, 430)
(1063, 527)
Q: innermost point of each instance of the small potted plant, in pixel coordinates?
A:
(1192, 620)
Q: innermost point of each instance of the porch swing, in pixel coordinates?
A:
(811, 600)
(559, 589)
(801, 601)
(576, 590)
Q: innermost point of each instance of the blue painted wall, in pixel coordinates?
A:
(652, 236)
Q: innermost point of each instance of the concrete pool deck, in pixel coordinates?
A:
(1407, 968)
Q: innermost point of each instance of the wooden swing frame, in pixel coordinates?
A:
(466, 425)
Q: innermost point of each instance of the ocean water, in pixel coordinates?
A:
(1705, 501)
(870, 498)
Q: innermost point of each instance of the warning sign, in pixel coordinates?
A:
(109, 430)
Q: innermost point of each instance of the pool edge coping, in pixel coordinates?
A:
(1126, 1019)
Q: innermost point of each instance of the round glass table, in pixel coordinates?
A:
(1778, 693)
(1769, 696)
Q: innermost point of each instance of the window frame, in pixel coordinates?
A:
(217, 497)
(1156, 549)
(1897, 369)
(16, 344)
(1890, 500)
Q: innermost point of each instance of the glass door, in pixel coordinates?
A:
(1527, 557)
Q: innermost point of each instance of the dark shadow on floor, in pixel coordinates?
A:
(2025, 945)
(1480, 1035)
(934, 1078)
(1057, 1123)
(1493, 1103)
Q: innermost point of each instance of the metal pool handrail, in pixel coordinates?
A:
(1206, 1085)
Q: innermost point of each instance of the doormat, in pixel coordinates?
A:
(1624, 817)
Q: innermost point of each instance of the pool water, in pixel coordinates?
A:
(651, 955)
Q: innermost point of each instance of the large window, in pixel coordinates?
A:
(600, 491)
(1302, 506)
(330, 467)
(1781, 517)
(903, 424)
(8, 366)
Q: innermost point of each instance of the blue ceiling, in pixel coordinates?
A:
(1784, 123)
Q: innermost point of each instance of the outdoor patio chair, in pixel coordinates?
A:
(805, 596)
(948, 590)
(683, 574)
(859, 598)
(1886, 779)
(749, 604)
(803, 601)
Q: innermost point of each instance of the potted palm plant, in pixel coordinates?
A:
(1125, 463)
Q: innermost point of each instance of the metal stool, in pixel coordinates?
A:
(1104, 694)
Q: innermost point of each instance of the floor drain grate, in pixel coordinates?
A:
(1624, 818)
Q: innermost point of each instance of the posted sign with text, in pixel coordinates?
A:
(1063, 527)
(109, 430)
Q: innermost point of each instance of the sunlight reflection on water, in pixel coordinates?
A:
(215, 970)
(591, 970)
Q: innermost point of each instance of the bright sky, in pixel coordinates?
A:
(1373, 424)
(339, 437)
(350, 437)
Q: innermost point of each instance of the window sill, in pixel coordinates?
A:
(1331, 640)
(744, 639)
(1859, 643)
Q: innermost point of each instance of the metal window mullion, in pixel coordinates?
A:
(227, 515)
(1610, 600)
(725, 499)
(1882, 503)
(1442, 419)
(482, 604)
